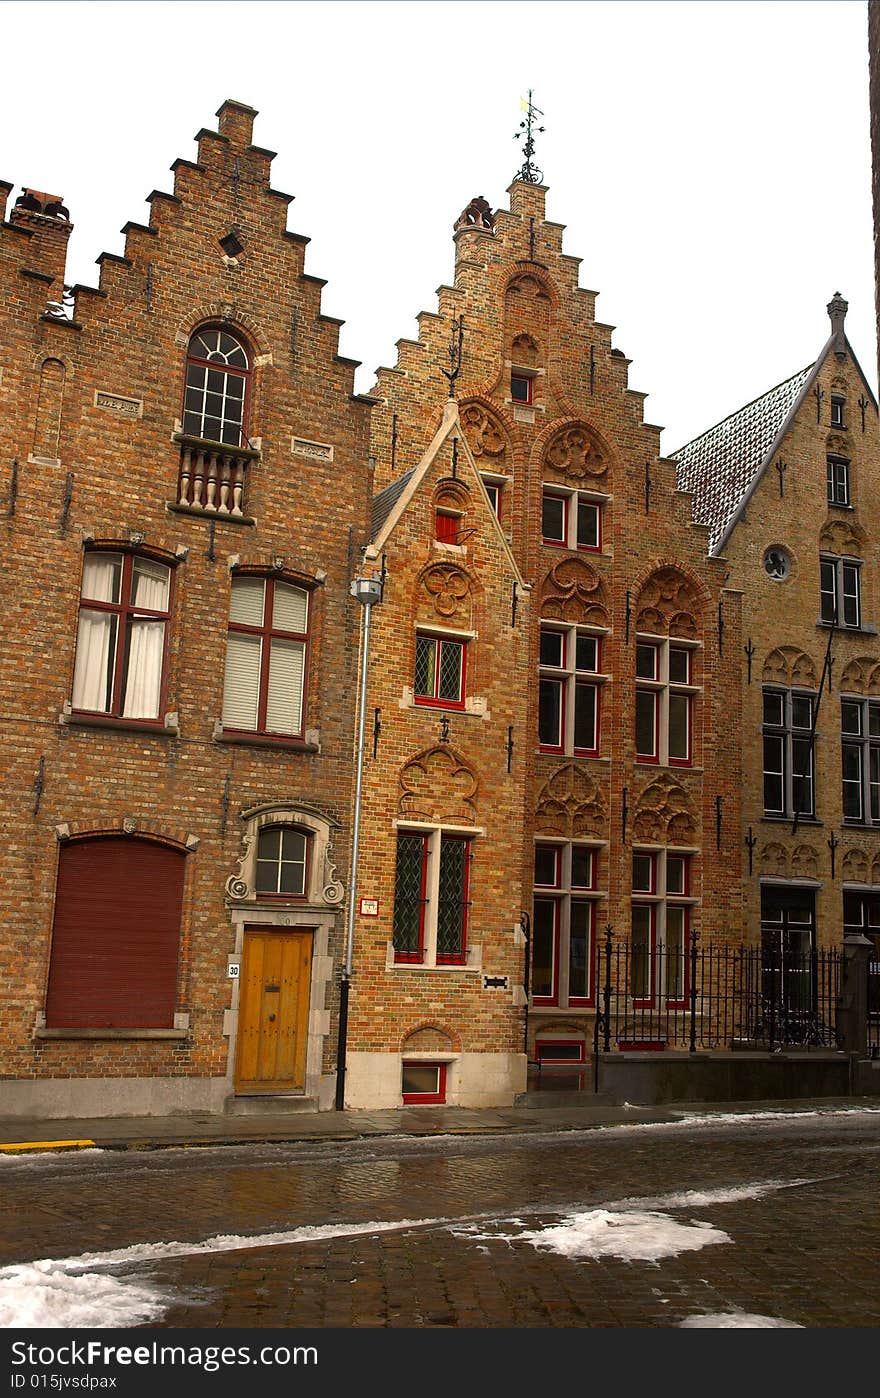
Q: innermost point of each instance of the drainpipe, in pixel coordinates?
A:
(367, 591)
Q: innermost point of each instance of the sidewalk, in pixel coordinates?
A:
(19, 1135)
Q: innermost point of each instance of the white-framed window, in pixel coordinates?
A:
(840, 591)
(665, 698)
(789, 765)
(431, 896)
(569, 689)
(837, 468)
(521, 386)
(266, 657)
(495, 487)
(563, 942)
(571, 519)
(660, 926)
(121, 641)
(838, 408)
(860, 754)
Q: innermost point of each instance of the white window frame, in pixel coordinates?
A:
(659, 898)
(842, 568)
(569, 677)
(435, 834)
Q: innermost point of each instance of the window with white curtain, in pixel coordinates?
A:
(120, 644)
(266, 648)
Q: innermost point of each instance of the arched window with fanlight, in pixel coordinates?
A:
(218, 367)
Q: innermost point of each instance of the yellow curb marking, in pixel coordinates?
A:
(10, 1147)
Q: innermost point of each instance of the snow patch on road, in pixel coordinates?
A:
(634, 1236)
(34, 1296)
(704, 1198)
(737, 1320)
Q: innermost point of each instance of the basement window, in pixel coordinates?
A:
(423, 1082)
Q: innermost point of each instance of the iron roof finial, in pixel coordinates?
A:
(528, 171)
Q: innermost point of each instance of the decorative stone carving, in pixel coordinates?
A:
(525, 284)
(861, 676)
(484, 433)
(855, 866)
(438, 786)
(842, 536)
(449, 589)
(575, 454)
(804, 862)
(787, 665)
(664, 814)
(524, 351)
(773, 859)
(572, 804)
(573, 591)
(324, 887)
(668, 605)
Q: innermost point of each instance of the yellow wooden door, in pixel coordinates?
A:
(273, 1011)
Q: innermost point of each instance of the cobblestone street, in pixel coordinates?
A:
(451, 1232)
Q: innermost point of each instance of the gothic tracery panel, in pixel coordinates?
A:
(438, 786)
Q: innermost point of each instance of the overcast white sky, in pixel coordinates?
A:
(710, 160)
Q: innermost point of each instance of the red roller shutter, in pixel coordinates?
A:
(116, 935)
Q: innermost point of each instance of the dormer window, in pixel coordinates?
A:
(521, 387)
(838, 404)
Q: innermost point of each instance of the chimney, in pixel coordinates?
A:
(49, 222)
(837, 309)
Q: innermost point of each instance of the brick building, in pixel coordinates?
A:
(631, 742)
(787, 488)
(177, 761)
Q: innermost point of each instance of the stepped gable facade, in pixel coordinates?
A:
(631, 745)
(180, 657)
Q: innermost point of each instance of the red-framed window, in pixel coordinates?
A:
(569, 704)
(122, 637)
(571, 519)
(264, 687)
(410, 897)
(446, 526)
(217, 394)
(432, 898)
(563, 949)
(660, 928)
(440, 671)
(664, 703)
(423, 1082)
(282, 866)
(521, 387)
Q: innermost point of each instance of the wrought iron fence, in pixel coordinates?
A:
(716, 997)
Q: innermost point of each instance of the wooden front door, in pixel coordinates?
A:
(273, 1011)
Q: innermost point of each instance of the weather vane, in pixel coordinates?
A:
(529, 172)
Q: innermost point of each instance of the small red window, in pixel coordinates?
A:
(423, 1082)
(446, 527)
(521, 388)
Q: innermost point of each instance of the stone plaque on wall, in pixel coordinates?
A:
(120, 405)
(314, 451)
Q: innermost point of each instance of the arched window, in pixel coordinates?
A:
(282, 861)
(217, 387)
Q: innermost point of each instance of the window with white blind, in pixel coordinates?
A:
(266, 649)
(120, 644)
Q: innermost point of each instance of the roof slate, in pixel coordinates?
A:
(719, 467)
(384, 502)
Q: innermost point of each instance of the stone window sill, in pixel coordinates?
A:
(267, 740)
(168, 729)
(46, 1033)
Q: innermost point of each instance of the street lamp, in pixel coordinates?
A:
(367, 591)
